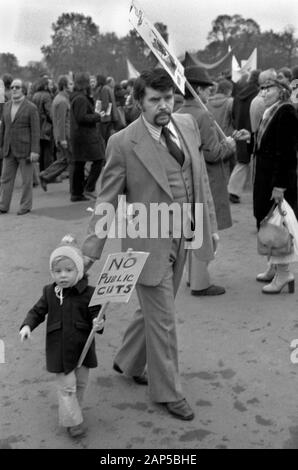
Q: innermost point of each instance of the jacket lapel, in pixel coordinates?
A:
(190, 146)
(147, 153)
(8, 112)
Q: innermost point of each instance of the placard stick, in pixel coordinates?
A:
(91, 335)
(198, 99)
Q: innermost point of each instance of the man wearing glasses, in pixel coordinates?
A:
(19, 143)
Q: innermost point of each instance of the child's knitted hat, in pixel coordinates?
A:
(68, 247)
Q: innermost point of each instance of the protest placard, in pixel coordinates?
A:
(115, 284)
(118, 277)
(167, 59)
(158, 45)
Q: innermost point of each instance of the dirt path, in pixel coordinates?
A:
(234, 349)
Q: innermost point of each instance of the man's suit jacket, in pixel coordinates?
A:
(134, 168)
(61, 117)
(21, 136)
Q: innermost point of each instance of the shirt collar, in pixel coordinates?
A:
(155, 131)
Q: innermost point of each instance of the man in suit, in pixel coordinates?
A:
(19, 143)
(61, 128)
(141, 164)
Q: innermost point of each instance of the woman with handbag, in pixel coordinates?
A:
(275, 165)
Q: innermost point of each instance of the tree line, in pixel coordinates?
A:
(77, 45)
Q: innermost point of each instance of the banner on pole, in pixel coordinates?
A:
(158, 45)
(118, 277)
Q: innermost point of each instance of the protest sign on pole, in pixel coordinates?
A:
(115, 284)
(118, 277)
(158, 45)
(161, 50)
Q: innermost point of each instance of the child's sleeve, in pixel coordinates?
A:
(37, 313)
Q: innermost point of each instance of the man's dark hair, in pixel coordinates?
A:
(62, 82)
(42, 84)
(254, 76)
(101, 80)
(82, 81)
(25, 88)
(158, 79)
(7, 80)
(224, 86)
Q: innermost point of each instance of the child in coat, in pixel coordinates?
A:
(69, 322)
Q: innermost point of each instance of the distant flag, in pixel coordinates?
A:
(246, 65)
(251, 63)
(131, 70)
(235, 69)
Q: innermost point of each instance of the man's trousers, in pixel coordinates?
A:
(9, 171)
(151, 337)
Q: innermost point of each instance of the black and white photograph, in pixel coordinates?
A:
(148, 228)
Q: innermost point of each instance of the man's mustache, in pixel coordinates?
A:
(163, 113)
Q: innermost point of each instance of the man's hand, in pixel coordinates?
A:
(242, 134)
(34, 157)
(63, 144)
(98, 325)
(277, 195)
(231, 143)
(215, 240)
(25, 333)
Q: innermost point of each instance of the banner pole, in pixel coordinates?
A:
(198, 99)
(91, 335)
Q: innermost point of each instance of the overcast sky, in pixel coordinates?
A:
(25, 25)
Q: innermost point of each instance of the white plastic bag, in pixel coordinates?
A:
(292, 225)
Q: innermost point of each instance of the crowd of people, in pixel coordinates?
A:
(144, 140)
(76, 117)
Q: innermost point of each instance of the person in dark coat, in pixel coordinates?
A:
(216, 152)
(69, 322)
(42, 98)
(87, 144)
(275, 170)
(241, 120)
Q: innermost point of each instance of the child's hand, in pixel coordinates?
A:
(25, 332)
(98, 325)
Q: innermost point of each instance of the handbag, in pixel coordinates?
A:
(275, 240)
